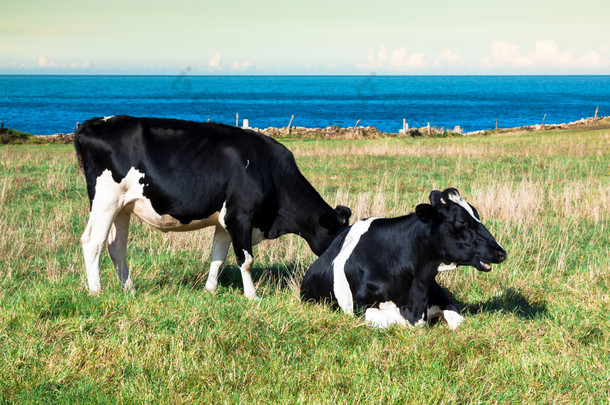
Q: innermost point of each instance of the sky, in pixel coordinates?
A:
(306, 37)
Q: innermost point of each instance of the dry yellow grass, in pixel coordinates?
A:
(536, 327)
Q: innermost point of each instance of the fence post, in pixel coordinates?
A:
(289, 125)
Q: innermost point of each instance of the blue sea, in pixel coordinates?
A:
(54, 104)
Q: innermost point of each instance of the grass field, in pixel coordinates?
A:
(537, 326)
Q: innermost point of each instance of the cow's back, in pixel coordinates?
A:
(188, 168)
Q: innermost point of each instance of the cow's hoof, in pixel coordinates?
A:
(453, 319)
(211, 288)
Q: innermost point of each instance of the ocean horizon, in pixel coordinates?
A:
(49, 104)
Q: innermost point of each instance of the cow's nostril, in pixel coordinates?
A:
(500, 255)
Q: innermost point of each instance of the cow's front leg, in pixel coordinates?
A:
(441, 306)
(244, 261)
(241, 234)
(415, 312)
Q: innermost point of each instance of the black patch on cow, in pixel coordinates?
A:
(190, 169)
(397, 259)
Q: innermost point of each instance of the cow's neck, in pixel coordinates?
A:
(427, 242)
(300, 212)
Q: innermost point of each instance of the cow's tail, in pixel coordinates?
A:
(79, 155)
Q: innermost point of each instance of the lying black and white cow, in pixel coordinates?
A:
(387, 266)
(181, 176)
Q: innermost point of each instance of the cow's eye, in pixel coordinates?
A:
(462, 223)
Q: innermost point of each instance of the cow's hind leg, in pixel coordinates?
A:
(94, 239)
(220, 248)
(117, 247)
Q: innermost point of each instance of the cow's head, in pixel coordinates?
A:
(330, 223)
(464, 239)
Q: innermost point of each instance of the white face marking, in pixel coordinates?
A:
(341, 289)
(387, 314)
(447, 267)
(456, 198)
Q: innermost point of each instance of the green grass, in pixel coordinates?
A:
(537, 327)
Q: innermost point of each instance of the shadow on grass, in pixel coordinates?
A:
(276, 276)
(510, 301)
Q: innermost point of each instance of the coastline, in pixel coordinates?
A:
(336, 132)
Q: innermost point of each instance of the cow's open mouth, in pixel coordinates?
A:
(483, 266)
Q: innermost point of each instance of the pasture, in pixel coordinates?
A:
(537, 326)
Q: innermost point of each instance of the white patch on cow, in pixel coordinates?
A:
(222, 214)
(107, 118)
(387, 314)
(341, 288)
(447, 267)
(114, 200)
(453, 318)
(422, 321)
(110, 199)
(434, 311)
(220, 248)
(117, 248)
(129, 194)
(456, 198)
(257, 236)
(246, 276)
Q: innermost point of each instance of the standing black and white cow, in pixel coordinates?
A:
(180, 176)
(387, 266)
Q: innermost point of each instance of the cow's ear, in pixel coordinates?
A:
(428, 214)
(344, 214)
(435, 197)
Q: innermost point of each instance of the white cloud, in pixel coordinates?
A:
(448, 59)
(241, 65)
(398, 60)
(546, 54)
(78, 65)
(43, 62)
(401, 60)
(215, 62)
